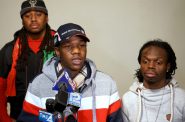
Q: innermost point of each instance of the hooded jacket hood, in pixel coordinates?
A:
(154, 97)
(138, 84)
(50, 71)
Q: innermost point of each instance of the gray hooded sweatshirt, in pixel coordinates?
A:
(162, 105)
(100, 99)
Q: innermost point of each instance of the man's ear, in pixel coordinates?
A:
(57, 52)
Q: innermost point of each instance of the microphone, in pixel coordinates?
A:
(46, 116)
(49, 115)
(63, 98)
(64, 79)
(73, 104)
(74, 99)
(65, 95)
(49, 105)
(67, 102)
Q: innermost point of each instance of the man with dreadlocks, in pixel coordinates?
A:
(22, 59)
(155, 96)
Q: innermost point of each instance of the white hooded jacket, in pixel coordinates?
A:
(100, 100)
(162, 105)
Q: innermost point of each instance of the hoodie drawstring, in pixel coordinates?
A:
(93, 101)
(139, 105)
(140, 102)
(172, 102)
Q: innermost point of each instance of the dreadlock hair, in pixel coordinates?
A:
(47, 44)
(171, 58)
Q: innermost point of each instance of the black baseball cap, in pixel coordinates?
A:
(37, 5)
(66, 31)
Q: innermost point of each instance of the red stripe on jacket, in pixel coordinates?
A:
(30, 108)
(83, 115)
(114, 107)
(101, 114)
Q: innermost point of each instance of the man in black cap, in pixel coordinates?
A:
(70, 71)
(22, 59)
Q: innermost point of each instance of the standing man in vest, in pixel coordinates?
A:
(22, 59)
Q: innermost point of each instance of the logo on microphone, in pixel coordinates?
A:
(74, 99)
(63, 79)
(45, 116)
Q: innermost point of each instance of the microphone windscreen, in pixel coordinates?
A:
(50, 105)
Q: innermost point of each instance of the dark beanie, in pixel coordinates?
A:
(37, 5)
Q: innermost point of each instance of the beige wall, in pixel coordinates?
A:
(117, 29)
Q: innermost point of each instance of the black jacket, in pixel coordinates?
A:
(23, 76)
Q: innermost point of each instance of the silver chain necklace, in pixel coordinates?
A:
(158, 108)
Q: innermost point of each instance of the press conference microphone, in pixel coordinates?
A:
(45, 116)
(63, 80)
(69, 114)
(65, 94)
(49, 115)
(50, 105)
(66, 100)
(73, 104)
(61, 97)
(68, 103)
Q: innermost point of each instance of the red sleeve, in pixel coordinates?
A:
(4, 117)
